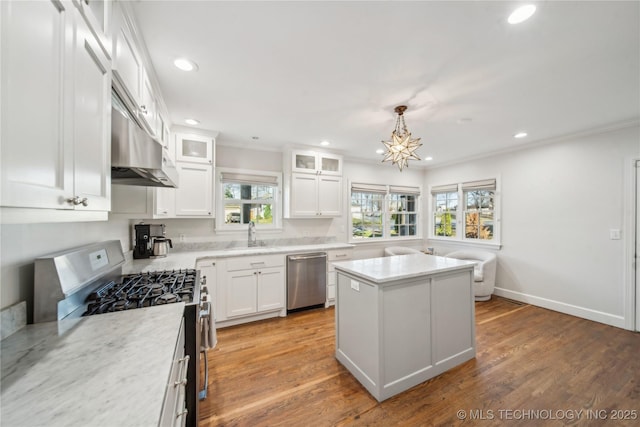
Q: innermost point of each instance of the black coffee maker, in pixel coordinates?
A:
(145, 233)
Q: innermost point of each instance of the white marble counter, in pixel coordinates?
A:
(188, 259)
(400, 267)
(108, 370)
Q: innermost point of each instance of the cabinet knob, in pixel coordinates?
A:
(78, 201)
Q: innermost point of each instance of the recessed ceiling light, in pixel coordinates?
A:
(255, 138)
(428, 158)
(464, 120)
(185, 64)
(192, 122)
(520, 135)
(521, 14)
(324, 143)
(379, 151)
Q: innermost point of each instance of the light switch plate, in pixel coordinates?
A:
(355, 285)
(614, 234)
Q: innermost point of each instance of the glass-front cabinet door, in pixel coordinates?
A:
(315, 162)
(194, 148)
(304, 161)
(330, 164)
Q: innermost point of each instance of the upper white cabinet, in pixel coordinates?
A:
(147, 108)
(315, 196)
(194, 196)
(195, 193)
(127, 63)
(91, 121)
(316, 163)
(194, 148)
(194, 161)
(312, 184)
(56, 107)
(131, 78)
(97, 13)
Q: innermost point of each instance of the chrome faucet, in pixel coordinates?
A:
(252, 234)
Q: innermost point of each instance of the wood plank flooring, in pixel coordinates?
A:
(533, 367)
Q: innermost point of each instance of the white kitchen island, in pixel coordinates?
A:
(401, 320)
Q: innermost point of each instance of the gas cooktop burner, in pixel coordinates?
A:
(143, 290)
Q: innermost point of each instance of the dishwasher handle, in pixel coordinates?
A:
(306, 256)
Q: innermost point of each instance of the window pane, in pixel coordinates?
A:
(479, 225)
(259, 213)
(366, 215)
(245, 202)
(479, 199)
(232, 214)
(445, 224)
(231, 191)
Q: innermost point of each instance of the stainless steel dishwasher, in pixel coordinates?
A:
(306, 280)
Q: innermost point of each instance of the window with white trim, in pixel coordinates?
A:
(384, 212)
(247, 196)
(465, 211)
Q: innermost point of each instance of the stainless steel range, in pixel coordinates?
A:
(88, 281)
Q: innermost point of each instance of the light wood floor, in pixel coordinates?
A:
(533, 367)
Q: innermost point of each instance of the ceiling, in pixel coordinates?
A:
(298, 73)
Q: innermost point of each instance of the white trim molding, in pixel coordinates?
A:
(573, 310)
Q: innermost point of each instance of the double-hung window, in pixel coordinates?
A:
(384, 212)
(247, 196)
(465, 212)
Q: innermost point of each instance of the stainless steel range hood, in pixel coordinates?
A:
(136, 157)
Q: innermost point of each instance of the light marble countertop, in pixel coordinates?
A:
(188, 259)
(399, 267)
(108, 370)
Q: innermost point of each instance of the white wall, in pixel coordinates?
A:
(559, 201)
(20, 244)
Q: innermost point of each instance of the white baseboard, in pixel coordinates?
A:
(574, 310)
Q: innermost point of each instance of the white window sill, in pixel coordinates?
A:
(469, 243)
(385, 240)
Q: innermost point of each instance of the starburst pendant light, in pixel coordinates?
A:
(402, 147)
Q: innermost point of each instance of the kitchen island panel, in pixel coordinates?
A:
(454, 327)
(396, 329)
(359, 331)
(408, 349)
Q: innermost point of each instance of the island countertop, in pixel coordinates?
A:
(400, 267)
(107, 370)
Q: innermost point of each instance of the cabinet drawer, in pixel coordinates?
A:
(339, 255)
(252, 262)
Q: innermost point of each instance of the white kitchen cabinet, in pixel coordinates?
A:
(97, 13)
(147, 109)
(312, 184)
(194, 196)
(255, 285)
(315, 196)
(332, 277)
(173, 413)
(55, 113)
(133, 201)
(92, 121)
(127, 63)
(316, 163)
(194, 148)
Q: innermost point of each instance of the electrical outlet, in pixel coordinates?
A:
(614, 234)
(182, 237)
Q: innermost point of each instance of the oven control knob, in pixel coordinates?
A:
(204, 298)
(204, 290)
